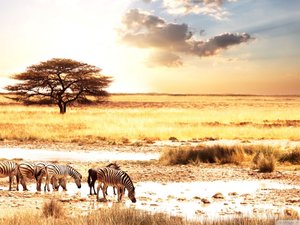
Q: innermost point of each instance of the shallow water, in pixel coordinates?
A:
(83, 156)
(185, 198)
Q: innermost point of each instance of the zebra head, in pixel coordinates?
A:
(76, 175)
(131, 195)
(78, 180)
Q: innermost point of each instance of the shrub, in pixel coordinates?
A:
(292, 157)
(53, 209)
(206, 154)
(266, 163)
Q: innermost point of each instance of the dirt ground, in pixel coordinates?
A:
(152, 171)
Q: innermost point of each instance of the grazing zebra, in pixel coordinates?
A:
(117, 178)
(31, 170)
(92, 177)
(60, 172)
(8, 169)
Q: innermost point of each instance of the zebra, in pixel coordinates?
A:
(60, 172)
(8, 169)
(117, 178)
(30, 170)
(92, 177)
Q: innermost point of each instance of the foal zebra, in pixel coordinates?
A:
(54, 172)
(92, 177)
(8, 169)
(116, 178)
(30, 170)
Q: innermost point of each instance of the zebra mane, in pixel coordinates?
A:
(114, 166)
(75, 172)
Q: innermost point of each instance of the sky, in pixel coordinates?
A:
(161, 46)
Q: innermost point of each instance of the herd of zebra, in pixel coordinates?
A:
(111, 175)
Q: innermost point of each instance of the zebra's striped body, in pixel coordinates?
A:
(60, 172)
(8, 169)
(92, 177)
(116, 178)
(31, 170)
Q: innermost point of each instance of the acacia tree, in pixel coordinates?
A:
(61, 81)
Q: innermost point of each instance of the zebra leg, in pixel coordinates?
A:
(63, 183)
(10, 181)
(23, 182)
(55, 184)
(47, 183)
(119, 194)
(121, 190)
(93, 186)
(98, 190)
(18, 180)
(104, 189)
(39, 183)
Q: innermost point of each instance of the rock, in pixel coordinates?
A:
(291, 212)
(102, 200)
(199, 212)
(65, 200)
(173, 139)
(218, 195)
(233, 194)
(293, 200)
(205, 201)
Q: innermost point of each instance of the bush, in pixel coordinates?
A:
(292, 157)
(265, 163)
(206, 154)
(53, 209)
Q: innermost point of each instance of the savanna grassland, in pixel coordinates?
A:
(126, 118)
(140, 124)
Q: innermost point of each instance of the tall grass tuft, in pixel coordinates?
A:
(125, 216)
(53, 208)
(292, 156)
(264, 162)
(206, 154)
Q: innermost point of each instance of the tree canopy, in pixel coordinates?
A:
(60, 81)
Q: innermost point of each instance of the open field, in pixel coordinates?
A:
(155, 117)
(254, 174)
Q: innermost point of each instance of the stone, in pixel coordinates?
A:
(205, 201)
(218, 195)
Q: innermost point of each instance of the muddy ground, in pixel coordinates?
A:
(273, 193)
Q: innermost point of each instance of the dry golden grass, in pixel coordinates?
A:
(125, 216)
(263, 158)
(206, 154)
(138, 117)
(291, 156)
(53, 208)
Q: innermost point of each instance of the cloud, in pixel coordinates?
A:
(144, 30)
(218, 43)
(213, 8)
(164, 58)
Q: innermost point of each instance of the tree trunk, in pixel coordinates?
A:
(62, 107)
